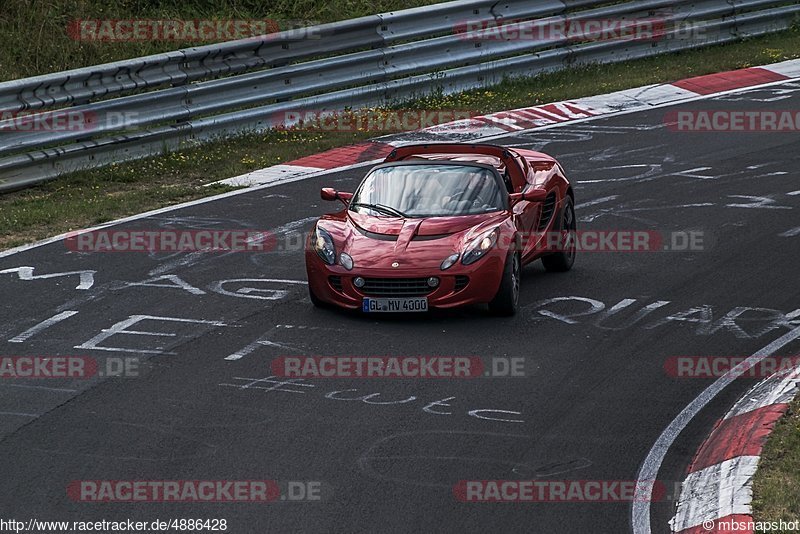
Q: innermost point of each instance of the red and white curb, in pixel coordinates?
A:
(526, 119)
(717, 492)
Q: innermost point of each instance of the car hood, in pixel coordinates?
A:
(377, 242)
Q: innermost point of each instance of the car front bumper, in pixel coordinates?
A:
(334, 284)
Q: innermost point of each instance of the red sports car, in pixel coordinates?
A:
(442, 225)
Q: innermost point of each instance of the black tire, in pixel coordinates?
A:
(315, 299)
(562, 261)
(506, 301)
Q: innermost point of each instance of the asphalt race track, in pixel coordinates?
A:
(594, 399)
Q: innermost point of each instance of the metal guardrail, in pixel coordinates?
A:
(145, 106)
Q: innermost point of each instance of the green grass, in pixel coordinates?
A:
(34, 38)
(91, 197)
(776, 487)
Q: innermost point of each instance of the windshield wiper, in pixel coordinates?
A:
(381, 208)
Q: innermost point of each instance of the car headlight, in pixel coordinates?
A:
(449, 261)
(479, 247)
(323, 244)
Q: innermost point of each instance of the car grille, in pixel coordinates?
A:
(461, 282)
(547, 211)
(394, 287)
(335, 282)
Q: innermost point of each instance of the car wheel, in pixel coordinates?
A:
(507, 299)
(562, 260)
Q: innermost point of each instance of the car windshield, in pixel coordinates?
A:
(421, 190)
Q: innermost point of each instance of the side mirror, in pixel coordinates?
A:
(329, 193)
(532, 195)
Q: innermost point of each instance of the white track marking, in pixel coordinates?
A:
(262, 342)
(596, 201)
(26, 274)
(757, 202)
(779, 388)
(121, 328)
(269, 175)
(640, 511)
(790, 68)
(690, 173)
(791, 233)
(718, 491)
(181, 261)
(47, 323)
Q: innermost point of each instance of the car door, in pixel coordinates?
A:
(526, 214)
